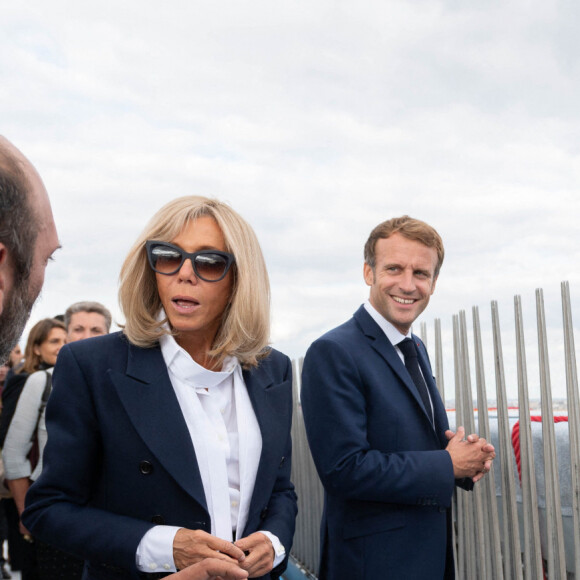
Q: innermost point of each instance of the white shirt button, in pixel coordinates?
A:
(152, 566)
(167, 566)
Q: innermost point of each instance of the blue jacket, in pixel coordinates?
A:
(388, 480)
(119, 457)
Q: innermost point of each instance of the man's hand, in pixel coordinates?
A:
(260, 559)
(211, 569)
(192, 546)
(471, 457)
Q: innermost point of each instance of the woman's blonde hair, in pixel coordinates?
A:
(245, 328)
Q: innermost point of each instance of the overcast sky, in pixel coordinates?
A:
(315, 120)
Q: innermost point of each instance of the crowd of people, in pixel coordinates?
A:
(23, 433)
(164, 449)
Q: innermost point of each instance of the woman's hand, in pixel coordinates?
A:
(260, 559)
(211, 569)
(192, 546)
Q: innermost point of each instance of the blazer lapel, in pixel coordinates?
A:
(380, 343)
(270, 412)
(150, 402)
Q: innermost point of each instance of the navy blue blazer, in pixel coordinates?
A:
(388, 480)
(119, 457)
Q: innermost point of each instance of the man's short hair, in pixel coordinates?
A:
(88, 306)
(409, 228)
(18, 228)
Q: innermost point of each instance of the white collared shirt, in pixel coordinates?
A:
(395, 337)
(227, 442)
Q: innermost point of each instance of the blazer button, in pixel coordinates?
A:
(264, 513)
(197, 525)
(145, 467)
(158, 520)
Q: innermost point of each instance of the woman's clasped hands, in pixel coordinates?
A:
(254, 553)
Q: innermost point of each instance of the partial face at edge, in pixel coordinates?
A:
(47, 239)
(18, 296)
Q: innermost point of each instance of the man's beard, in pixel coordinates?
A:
(13, 319)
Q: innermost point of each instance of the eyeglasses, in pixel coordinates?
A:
(208, 265)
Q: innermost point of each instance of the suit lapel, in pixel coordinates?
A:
(269, 412)
(151, 404)
(438, 404)
(380, 343)
(441, 421)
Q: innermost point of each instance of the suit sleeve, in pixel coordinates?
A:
(59, 507)
(334, 404)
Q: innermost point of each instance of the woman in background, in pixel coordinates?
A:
(23, 433)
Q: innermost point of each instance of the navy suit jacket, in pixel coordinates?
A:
(119, 457)
(388, 480)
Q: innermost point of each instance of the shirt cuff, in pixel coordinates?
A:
(155, 550)
(279, 550)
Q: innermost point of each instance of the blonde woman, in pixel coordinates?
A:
(169, 442)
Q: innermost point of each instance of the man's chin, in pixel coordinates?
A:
(15, 314)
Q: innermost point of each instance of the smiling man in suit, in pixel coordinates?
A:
(377, 427)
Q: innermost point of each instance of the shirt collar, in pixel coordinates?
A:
(182, 366)
(392, 333)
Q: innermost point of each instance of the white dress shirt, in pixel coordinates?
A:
(395, 337)
(228, 444)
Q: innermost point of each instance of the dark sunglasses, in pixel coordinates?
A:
(208, 265)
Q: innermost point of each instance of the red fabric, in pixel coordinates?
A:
(516, 443)
(516, 437)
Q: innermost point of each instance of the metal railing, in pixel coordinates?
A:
(511, 526)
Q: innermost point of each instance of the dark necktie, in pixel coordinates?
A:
(409, 351)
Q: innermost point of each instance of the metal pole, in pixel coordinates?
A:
(555, 537)
(573, 419)
(532, 549)
(491, 521)
(439, 360)
(476, 534)
(423, 333)
(512, 559)
(462, 514)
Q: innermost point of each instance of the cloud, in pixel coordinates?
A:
(315, 121)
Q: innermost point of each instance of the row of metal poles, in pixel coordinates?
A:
(306, 548)
(497, 537)
(497, 542)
